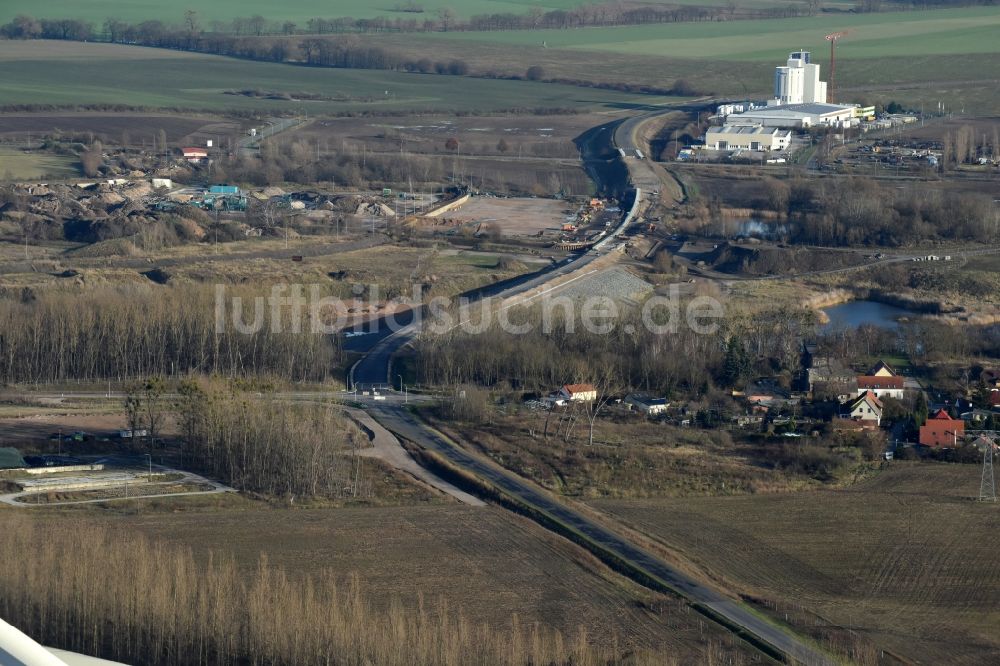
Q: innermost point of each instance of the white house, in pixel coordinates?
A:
(882, 381)
(866, 408)
(647, 405)
(578, 393)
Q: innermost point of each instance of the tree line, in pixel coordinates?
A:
(863, 211)
(265, 446)
(132, 332)
(679, 362)
(442, 20)
(118, 595)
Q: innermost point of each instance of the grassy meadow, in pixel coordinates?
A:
(17, 165)
(70, 73)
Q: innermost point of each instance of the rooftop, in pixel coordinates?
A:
(748, 129)
(811, 109)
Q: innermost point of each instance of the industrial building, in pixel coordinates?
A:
(798, 116)
(747, 137)
(797, 82)
(799, 101)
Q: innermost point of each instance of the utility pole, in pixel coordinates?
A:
(987, 484)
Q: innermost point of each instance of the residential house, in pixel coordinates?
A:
(995, 398)
(647, 405)
(942, 430)
(882, 369)
(882, 381)
(578, 393)
(195, 155)
(866, 409)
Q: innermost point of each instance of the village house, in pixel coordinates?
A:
(578, 393)
(865, 409)
(882, 381)
(942, 430)
(195, 155)
(647, 405)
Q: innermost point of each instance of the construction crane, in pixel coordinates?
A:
(832, 38)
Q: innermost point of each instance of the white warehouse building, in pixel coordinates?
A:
(797, 82)
(747, 137)
(798, 116)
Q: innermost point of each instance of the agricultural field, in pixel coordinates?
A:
(302, 10)
(77, 74)
(135, 129)
(913, 57)
(956, 31)
(16, 164)
(520, 153)
(486, 563)
(906, 560)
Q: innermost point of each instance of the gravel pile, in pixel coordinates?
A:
(617, 284)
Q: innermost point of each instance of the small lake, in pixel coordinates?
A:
(858, 313)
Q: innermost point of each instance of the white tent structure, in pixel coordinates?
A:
(17, 649)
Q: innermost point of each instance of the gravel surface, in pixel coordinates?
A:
(617, 284)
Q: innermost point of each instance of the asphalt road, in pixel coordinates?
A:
(405, 425)
(375, 368)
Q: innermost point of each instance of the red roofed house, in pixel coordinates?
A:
(995, 398)
(941, 430)
(866, 409)
(882, 381)
(578, 392)
(195, 155)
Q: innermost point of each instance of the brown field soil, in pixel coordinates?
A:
(141, 490)
(526, 135)
(35, 423)
(906, 560)
(514, 217)
(538, 155)
(111, 128)
(487, 562)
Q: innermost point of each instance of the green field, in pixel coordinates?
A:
(67, 73)
(302, 10)
(18, 165)
(871, 36)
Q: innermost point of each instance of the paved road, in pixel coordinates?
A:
(387, 448)
(405, 425)
(375, 368)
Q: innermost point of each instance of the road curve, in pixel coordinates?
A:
(375, 369)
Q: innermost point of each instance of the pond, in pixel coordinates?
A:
(858, 313)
